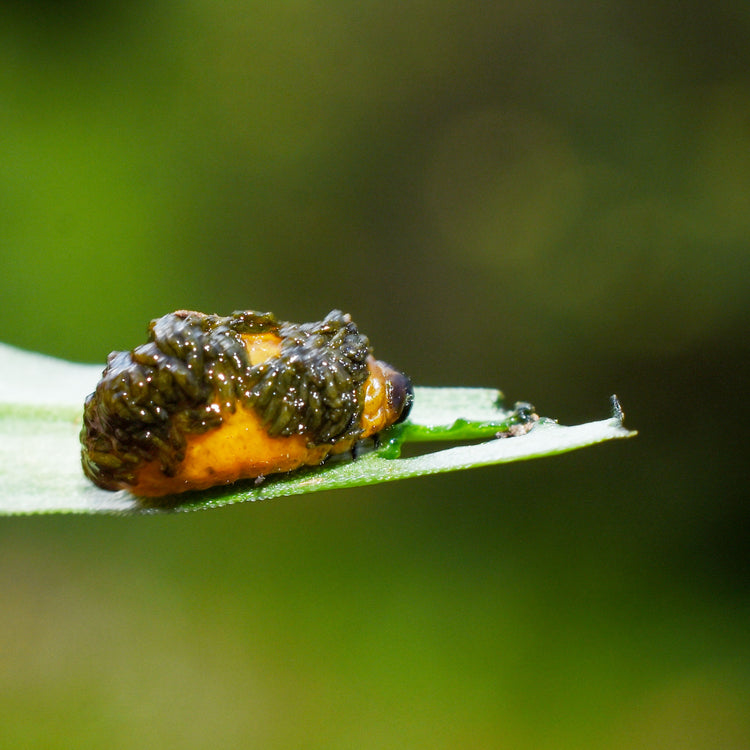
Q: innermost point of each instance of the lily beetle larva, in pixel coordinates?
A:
(209, 400)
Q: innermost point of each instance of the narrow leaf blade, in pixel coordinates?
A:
(41, 402)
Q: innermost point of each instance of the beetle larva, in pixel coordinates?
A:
(209, 400)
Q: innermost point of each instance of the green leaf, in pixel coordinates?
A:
(41, 402)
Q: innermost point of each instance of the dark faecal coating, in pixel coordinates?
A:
(151, 398)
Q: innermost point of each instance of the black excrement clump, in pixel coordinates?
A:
(195, 368)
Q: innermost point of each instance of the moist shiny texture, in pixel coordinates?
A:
(209, 400)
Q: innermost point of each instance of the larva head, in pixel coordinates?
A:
(399, 393)
(388, 397)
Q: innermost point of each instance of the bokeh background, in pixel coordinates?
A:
(551, 198)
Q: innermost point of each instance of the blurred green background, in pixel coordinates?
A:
(551, 198)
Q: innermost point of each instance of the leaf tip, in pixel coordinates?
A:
(616, 408)
(618, 417)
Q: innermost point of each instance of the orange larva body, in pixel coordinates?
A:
(242, 397)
